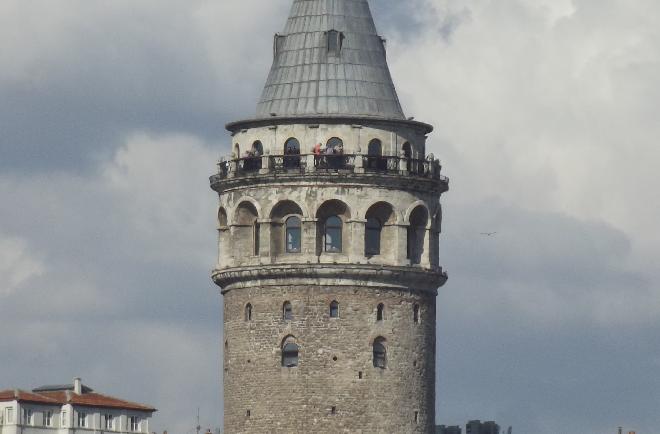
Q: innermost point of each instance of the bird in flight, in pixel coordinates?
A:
(488, 234)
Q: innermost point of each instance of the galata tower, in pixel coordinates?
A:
(329, 220)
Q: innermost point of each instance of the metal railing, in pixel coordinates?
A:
(328, 163)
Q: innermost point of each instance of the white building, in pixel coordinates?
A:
(70, 409)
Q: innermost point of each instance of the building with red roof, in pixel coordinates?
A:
(68, 408)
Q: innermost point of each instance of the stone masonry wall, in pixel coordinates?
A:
(300, 399)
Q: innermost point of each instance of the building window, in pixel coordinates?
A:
(82, 420)
(334, 309)
(287, 311)
(10, 415)
(289, 353)
(135, 423)
(416, 417)
(335, 39)
(257, 235)
(109, 422)
(27, 416)
(248, 312)
(48, 418)
(375, 158)
(63, 419)
(417, 234)
(293, 235)
(332, 234)
(380, 353)
(291, 153)
(372, 234)
(416, 314)
(379, 312)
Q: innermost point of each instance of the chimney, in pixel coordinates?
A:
(77, 387)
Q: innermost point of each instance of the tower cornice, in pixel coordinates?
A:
(332, 275)
(421, 127)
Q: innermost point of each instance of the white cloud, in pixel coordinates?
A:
(17, 264)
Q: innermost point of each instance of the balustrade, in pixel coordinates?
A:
(328, 163)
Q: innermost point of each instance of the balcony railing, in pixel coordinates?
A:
(330, 163)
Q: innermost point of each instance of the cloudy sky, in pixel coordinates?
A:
(546, 115)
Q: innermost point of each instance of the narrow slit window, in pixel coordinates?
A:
(379, 353)
(290, 355)
(248, 312)
(379, 312)
(416, 314)
(334, 309)
(287, 311)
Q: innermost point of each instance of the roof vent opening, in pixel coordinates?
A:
(335, 42)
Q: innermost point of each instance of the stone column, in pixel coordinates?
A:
(265, 164)
(265, 228)
(425, 260)
(401, 245)
(309, 239)
(356, 247)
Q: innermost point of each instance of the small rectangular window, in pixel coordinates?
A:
(48, 418)
(334, 41)
(135, 424)
(109, 422)
(82, 420)
(27, 416)
(10, 415)
(64, 417)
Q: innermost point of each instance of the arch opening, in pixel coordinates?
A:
(379, 353)
(417, 234)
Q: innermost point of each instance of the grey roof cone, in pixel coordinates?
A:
(329, 61)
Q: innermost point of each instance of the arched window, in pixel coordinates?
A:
(332, 234)
(289, 352)
(237, 151)
(335, 144)
(222, 218)
(287, 311)
(334, 309)
(372, 236)
(379, 312)
(375, 160)
(293, 235)
(416, 313)
(292, 153)
(248, 312)
(407, 154)
(331, 215)
(380, 353)
(407, 150)
(417, 234)
(252, 160)
(245, 236)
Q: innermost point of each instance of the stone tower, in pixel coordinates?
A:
(329, 222)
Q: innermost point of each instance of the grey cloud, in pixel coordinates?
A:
(112, 117)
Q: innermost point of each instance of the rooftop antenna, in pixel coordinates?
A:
(198, 427)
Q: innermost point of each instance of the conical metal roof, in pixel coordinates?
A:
(329, 61)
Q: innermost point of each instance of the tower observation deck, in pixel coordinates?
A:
(329, 221)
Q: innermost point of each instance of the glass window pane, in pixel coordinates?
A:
(333, 234)
(293, 235)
